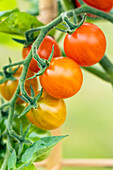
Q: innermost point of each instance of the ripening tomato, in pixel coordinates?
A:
(50, 113)
(86, 45)
(43, 51)
(63, 78)
(8, 88)
(104, 5)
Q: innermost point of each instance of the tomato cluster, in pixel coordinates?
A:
(62, 78)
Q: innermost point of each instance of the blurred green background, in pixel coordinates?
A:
(89, 121)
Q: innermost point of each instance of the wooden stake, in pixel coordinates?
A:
(83, 163)
(48, 10)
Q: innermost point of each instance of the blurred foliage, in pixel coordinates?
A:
(6, 5)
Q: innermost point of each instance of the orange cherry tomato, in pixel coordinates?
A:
(8, 88)
(62, 79)
(43, 51)
(50, 113)
(104, 5)
(86, 45)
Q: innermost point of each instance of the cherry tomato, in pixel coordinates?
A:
(104, 5)
(8, 88)
(50, 114)
(86, 45)
(62, 79)
(43, 51)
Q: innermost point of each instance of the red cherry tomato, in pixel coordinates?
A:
(104, 5)
(62, 79)
(43, 51)
(86, 45)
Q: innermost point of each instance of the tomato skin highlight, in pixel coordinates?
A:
(104, 5)
(62, 79)
(86, 45)
(50, 113)
(8, 88)
(43, 51)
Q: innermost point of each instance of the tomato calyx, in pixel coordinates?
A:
(71, 27)
(8, 75)
(42, 63)
(32, 105)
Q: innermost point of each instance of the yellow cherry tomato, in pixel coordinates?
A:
(8, 88)
(50, 113)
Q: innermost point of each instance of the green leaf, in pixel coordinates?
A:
(29, 167)
(19, 23)
(12, 160)
(26, 110)
(4, 14)
(40, 147)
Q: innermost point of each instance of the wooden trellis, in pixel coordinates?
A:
(55, 161)
(48, 11)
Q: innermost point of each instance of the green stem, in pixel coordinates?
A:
(107, 65)
(91, 10)
(23, 77)
(4, 165)
(13, 64)
(98, 73)
(4, 105)
(81, 2)
(83, 9)
(60, 37)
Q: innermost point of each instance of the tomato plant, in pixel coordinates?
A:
(43, 51)
(86, 45)
(62, 79)
(24, 134)
(50, 113)
(105, 5)
(9, 87)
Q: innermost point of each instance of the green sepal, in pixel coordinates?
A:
(12, 78)
(3, 80)
(23, 98)
(26, 110)
(39, 95)
(51, 55)
(27, 130)
(32, 92)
